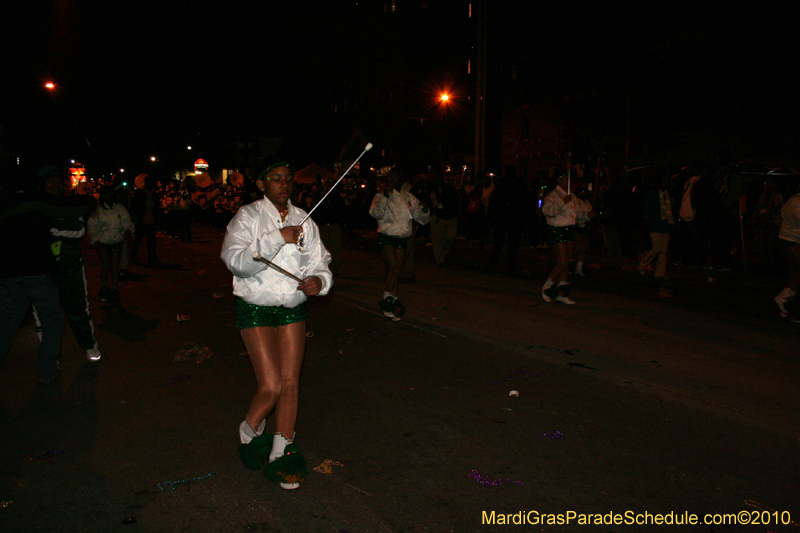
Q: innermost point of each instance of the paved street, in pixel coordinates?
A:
(684, 404)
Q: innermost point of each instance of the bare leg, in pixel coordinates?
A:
(292, 342)
(569, 253)
(393, 258)
(262, 346)
(277, 356)
(560, 271)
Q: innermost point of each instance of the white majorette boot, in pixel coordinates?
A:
(564, 288)
(387, 305)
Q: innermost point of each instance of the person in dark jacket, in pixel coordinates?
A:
(659, 213)
(66, 234)
(26, 274)
(145, 208)
(444, 216)
(506, 217)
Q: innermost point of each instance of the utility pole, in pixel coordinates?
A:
(480, 88)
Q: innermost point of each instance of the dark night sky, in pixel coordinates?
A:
(141, 77)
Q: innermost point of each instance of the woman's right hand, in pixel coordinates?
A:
(291, 234)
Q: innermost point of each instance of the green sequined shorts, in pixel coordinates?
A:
(257, 316)
(558, 234)
(401, 243)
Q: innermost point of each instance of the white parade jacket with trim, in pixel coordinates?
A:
(560, 214)
(108, 226)
(256, 228)
(396, 212)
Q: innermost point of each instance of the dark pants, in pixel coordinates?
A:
(75, 301)
(514, 232)
(722, 240)
(184, 225)
(144, 231)
(688, 242)
(16, 296)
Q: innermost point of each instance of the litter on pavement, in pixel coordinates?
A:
(486, 482)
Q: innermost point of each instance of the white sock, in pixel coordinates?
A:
(279, 443)
(578, 265)
(247, 433)
(548, 283)
(560, 283)
(386, 294)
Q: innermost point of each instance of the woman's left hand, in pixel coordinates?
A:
(310, 286)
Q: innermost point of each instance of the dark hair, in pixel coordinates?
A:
(48, 172)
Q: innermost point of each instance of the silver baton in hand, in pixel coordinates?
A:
(257, 257)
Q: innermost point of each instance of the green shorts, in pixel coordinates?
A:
(559, 234)
(401, 243)
(257, 316)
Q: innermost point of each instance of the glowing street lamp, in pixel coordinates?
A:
(152, 158)
(444, 98)
(188, 147)
(50, 85)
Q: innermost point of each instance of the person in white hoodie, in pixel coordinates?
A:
(271, 316)
(108, 227)
(789, 237)
(395, 208)
(562, 213)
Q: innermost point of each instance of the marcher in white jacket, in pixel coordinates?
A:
(790, 239)
(395, 209)
(562, 212)
(106, 228)
(108, 224)
(271, 316)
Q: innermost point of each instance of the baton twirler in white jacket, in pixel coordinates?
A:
(256, 228)
(395, 213)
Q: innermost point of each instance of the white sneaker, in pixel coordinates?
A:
(93, 354)
(545, 297)
(564, 300)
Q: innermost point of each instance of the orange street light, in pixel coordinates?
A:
(445, 97)
(50, 85)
